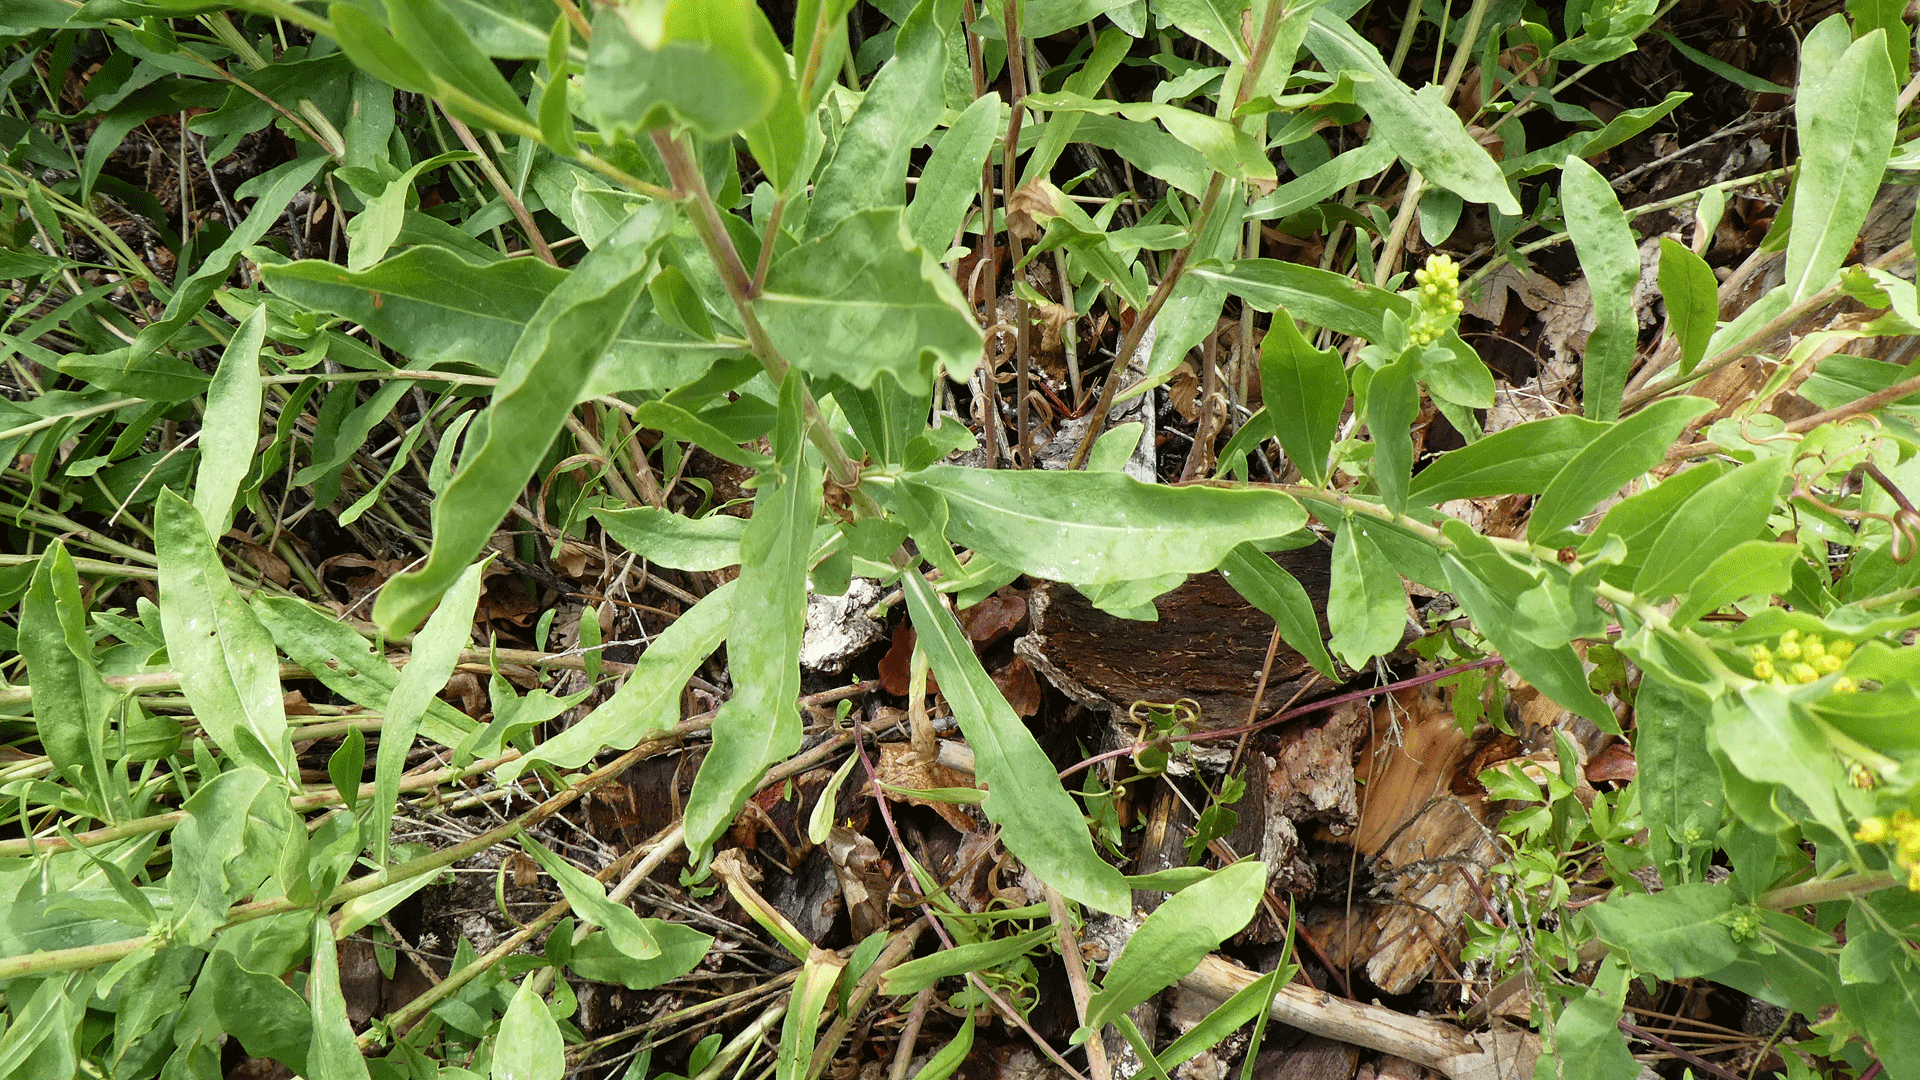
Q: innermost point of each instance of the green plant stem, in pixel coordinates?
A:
(733, 273)
(1098, 1067)
(1822, 891)
(78, 414)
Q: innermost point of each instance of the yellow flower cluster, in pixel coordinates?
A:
(1903, 829)
(1797, 658)
(1437, 302)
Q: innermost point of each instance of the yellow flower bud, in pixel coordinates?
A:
(1804, 673)
(1789, 635)
(1873, 830)
(1812, 647)
(1844, 685)
(1763, 669)
(1827, 664)
(1841, 648)
(1913, 879)
(1789, 650)
(1758, 652)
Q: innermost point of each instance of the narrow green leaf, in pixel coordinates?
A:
(373, 230)
(1731, 509)
(1227, 149)
(780, 140)
(862, 300)
(675, 540)
(1520, 460)
(333, 1055)
(1093, 528)
(1043, 827)
(230, 430)
(70, 701)
(1419, 126)
(556, 119)
(1606, 464)
(1749, 568)
(1692, 295)
(1366, 602)
(1317, 297)
(1176, 937)
(552, 362)
(1393, 403)
(1323, 182)
(1611, 262)
(818, 976)
(436, 649)
(373, 50)
(916, 975)
(627, 931)
(1845, 120)
(681, 950)
(951, 179)
(904, 102)
(1266, 585)
(1305, 390)
(346, 664)
(436, 40)
(1108, 50)
(228, 668)
(760, 723)
(529, 1045)
(224, 849)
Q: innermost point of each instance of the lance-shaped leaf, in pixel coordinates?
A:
(332, 1053)
(70, 699)
(863, 300)
(1176, 937)
(1366, 603)
(1268, 586)
(1093, 528)
(551, 364)
(1316, 297)
(1041, 825)
(1611, 262)
(228, 668)
(628, 931)
(230, 430)
(1730, 510)
(1845, 119)
(1692, 295)
(1393, 403)
(1420, 127)
(529, 1046)
(697, 62)
(463, 77)
(436, 648)
(1624, 451)
(760, 723)
(951, 179)
(1520, 460)
(904, 102)
(436, 307)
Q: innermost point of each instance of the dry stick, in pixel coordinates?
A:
(505, 189)
(910, 1034)
(898, 949)
(1017, 77)
(1123, 356)
(1076, 963)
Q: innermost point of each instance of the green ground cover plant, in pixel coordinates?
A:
(662, 216)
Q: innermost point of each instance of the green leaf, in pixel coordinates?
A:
(436, 649)
(694, 62)
(225, 848)
(1611, 262)
(863, 300)
(1317, 297)
(230, 430)
(1674, 934)
(551, 364)
(1520, 460)
(373, 50)
(1692, 295)
(903, 103)
(1109, 48)
(436, 40)
(1232, 1014)
(1749, 568)
(1490, 589)
(1677, 783)
(1226, 148)
(529, 1045)
(1323, 182)
(1266, 585)
(1176, 937)
(1419, 126)
(951, 179)
(1093, 528)
(1305, 390)
(760, 723)
(1726, 512)
(1041, 824)
(71, 701)
(346, 664)
(1215, 22)
(556, 119)
(1393, 403)
(263, 1013)
(1638, 519)
(916, 975)
(781, 139)
(373, 230)
(681, 950)
(1587, 1041)
(811, 995)
(1366, 603)
(228, 668)
(674, 540)
(1845, 120)
(333, 1054)
(1606, 464)
(627, 931)
(1767, 737)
